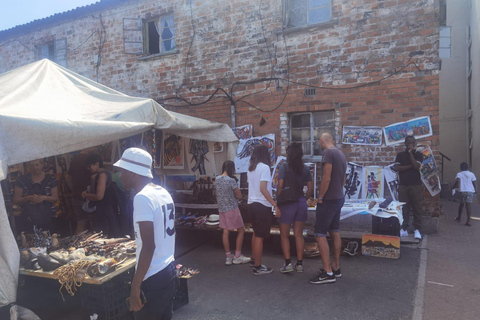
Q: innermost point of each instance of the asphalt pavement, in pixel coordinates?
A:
(434, 279)
(452, 281)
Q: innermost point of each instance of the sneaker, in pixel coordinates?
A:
(286, 269)
(298, 267)
(468, 224)
(228, 261)
(352, 248)
(241, 259)
(337, 273)
(322, 278)
(261, 270)
(418, 235)
(457, 219)
(403, 233)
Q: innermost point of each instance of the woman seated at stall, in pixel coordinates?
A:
(35, 192)
(102, 196)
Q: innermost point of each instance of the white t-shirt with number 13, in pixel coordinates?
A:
(155, 204)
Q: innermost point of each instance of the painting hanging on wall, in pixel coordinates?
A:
(245, 149)
(370, 136)
(243, 132)
(217, 147)
(353, 181)
(373, 182)
(312, 166)
(418, 127)
(276, 169)
(429, 172)
(173, 157)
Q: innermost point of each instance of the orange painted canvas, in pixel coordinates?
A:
(375, 245)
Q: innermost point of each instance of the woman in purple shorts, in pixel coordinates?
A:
(227, 190)
(294, 174)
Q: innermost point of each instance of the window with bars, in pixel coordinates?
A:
(54, 50)
(445, 45)
(307, 127)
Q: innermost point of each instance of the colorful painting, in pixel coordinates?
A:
(418, 127)
(280, 161)
(217, 147)
(354, 181)
(243, 132)
(370, 136)
(173, 151)
(245, 149)
(130, 142)
(373, 182)
(381, 246)
(429, 172)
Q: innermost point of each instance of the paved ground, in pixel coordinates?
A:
(445, 286)
(452, 287)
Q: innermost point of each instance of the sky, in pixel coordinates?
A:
(18, 12)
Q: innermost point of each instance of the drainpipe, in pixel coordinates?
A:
(232, 110)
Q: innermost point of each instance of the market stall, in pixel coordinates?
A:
(48, 110)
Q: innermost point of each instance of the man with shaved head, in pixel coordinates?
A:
(329, 205)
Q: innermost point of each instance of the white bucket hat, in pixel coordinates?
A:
(137, 161)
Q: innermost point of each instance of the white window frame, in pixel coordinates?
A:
(286, 14)
(442, 45)
(160, 39)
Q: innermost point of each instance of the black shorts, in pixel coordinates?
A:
(328, 217)
(261, 217)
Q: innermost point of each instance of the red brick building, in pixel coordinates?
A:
(304, 66)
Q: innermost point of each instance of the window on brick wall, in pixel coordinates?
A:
(307, 127)
(55, 51)
(159, 35)
(444, 47)
(302, 13)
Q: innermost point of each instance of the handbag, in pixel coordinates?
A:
(288, 194)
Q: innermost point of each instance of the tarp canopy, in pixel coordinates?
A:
(47, 110)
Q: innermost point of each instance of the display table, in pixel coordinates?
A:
(196, 206)
(124, 266)
(103, 295)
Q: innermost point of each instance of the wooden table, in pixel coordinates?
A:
(124, 266)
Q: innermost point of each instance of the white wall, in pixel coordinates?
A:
(453, 99)
(475, 30)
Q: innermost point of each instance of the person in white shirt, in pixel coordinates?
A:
(465, 182)
(260, 204)
(154, 283)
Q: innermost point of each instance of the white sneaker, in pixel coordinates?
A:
(418, 235)
(241, 259)
(404, 233)
(228, 261)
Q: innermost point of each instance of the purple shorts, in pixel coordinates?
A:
(295, 211)
(231, 219)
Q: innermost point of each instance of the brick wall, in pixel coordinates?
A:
(242, 40)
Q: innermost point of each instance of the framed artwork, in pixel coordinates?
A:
(369, 136)
(173, 151)
(106, 152)
(373, 182)
(217, 147)
(179, 181)
(418, 127)
(391, 178)
(313, 170)
(354, 181)
(243, 132)
(245, 149)
(429, 172)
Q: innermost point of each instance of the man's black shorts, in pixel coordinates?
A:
(328, 217)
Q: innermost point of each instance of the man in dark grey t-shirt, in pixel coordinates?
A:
(329, 205)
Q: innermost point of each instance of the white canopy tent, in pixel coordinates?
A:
(46, 110)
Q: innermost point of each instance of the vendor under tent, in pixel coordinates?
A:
(47, 110)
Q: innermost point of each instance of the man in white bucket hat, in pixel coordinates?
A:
(153, 286)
